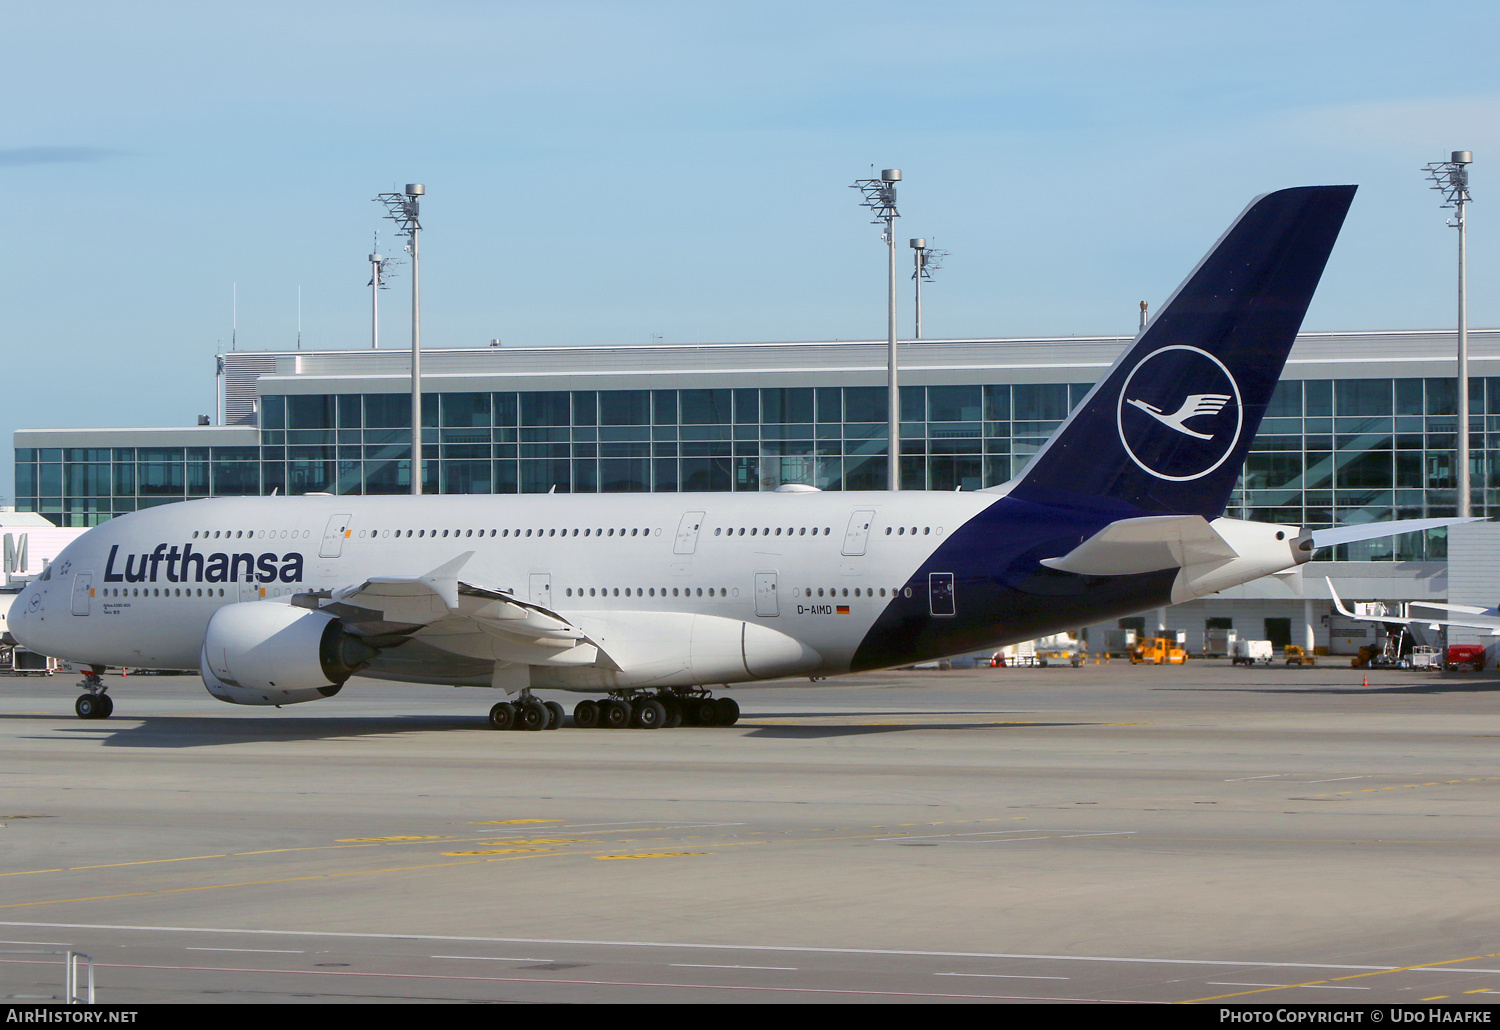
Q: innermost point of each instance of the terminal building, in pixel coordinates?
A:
(1362, 428)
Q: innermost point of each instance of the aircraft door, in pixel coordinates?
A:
(940, 599)
(250, 590)
(766, 604)
(83, 589)
(858, 533)
(334, 536)
(541, 589)
(687, 532)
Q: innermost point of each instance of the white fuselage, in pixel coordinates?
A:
(801, 563)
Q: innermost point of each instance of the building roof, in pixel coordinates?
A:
(1399, 353)
(1059, 359)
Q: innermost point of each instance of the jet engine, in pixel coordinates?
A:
(264, 653)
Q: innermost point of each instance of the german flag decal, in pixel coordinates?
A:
(842, 609)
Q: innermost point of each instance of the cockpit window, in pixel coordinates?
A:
(47, 573)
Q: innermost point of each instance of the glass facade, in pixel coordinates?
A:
(1328, 451)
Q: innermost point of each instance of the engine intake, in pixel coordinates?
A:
(265, 653)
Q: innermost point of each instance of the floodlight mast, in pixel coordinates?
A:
(880, 197)
(1451, 179)
(403, 209)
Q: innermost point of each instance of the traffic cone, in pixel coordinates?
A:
(1366, 683)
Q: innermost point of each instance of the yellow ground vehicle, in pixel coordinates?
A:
(1296, 655)
(1158, 651)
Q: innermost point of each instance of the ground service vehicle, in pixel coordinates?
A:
(1464, 658)
(1426, 658)
(1158, 651)
(1296, 654)
(1250, 652)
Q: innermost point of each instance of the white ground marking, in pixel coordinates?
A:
(1268, 776)
(41, 944)
(493, 958)
(1007, 976)
(715, 947)
(255, 951)
(706, 965)
(1338, 779)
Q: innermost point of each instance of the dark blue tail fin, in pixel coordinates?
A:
(1166, 430)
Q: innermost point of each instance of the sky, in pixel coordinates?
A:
(618, 173)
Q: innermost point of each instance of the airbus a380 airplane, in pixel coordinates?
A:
(650, 598)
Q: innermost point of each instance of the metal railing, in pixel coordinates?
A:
(71, 960)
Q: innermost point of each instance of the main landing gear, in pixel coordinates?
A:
(95, 704)
(528, 713)
(665, 708)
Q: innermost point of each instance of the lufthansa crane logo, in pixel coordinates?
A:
(1179, 413)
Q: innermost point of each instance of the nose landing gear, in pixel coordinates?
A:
(95, 704)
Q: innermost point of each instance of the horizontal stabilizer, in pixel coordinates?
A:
(1148, 544)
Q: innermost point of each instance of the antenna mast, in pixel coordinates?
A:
(926, 260)
(380, 271)
(403, 209)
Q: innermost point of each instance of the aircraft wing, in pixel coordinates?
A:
(1462, 609)
(1491, 625)
(1319, 538)
(462, 618)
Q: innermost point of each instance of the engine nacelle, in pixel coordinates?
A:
(264, 653)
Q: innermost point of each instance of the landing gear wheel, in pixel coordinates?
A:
(533, 715)
(586, 714)
(558, 715)
(503, 716)
(88, 707)
(615, 715)
(705, 711)
(649, 715)
(727, 711)
(674, 715)
(109, 706)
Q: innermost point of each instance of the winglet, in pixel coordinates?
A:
(1338, 604)
(444, 579)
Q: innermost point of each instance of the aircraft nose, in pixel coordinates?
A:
(23, 622)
